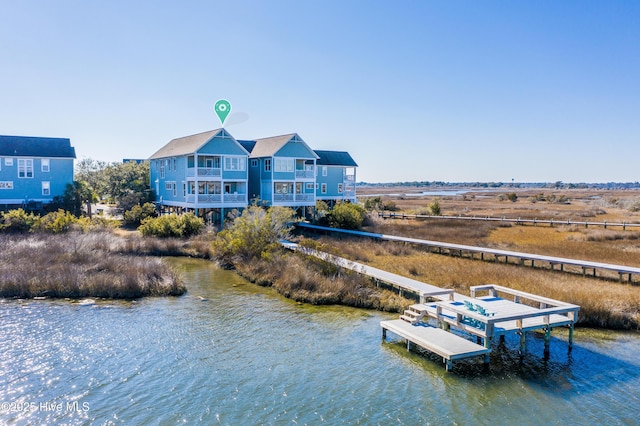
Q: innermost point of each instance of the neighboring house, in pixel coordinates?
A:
(282, 172)
(336, 177)
(33, 170)
(204, 173)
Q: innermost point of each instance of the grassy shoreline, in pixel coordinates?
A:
(78, 265)
(306, 279)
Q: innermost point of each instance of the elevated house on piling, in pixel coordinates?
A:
(34, 170)
(336, 177)
(212, 173)
(282, 172)
(204, 173)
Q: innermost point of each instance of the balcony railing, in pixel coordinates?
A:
(235, 198)
(217, 198)
(305, 174)
(305, 197)
(280, 198)
(204, 172)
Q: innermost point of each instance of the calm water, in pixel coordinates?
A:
(247, 356)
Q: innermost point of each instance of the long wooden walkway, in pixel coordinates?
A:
(518, 221)
(496, 254)
(484, 317)
(422, 290)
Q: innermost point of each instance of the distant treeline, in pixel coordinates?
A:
(524, 185)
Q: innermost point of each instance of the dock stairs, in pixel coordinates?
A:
(414, 314)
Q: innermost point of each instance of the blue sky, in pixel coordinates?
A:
(414, 90)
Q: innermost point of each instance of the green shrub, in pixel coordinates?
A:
(372, 203)
(138, 213)
(253, 234)
(55, 222)
(435, 208)
(172, 225)
(346, 216)
(17, 221)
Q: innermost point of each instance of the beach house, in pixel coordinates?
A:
(205, 173)
(282, 172)
(33, 170)
(335, 177)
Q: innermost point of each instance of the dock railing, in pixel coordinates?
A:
(517, 221)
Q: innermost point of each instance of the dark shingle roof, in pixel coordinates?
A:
(248, 145)
(335, 158)
(30, 146)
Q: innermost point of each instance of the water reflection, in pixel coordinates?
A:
(246, 355)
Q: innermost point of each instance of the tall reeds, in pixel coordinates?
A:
(77, 265)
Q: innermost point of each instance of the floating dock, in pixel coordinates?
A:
(449, 346)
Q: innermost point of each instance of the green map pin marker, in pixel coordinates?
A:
(223, 108)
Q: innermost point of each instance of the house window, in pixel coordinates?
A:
(283, 165)
(310, 185)
(25, 168)
(45, 165)
(234, 163)
(339, 188)
(175, 189)
(324, 170)
(8, 161)
(184, 189)
(162, 171)
(168, 186)
(267, 165)
(46, 188)
(323, 188)
(283, 187)
(213, 187)
(175, 166)
(254, 163)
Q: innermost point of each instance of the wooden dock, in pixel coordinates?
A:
(500, 312)
(494, 254)
(449, 346)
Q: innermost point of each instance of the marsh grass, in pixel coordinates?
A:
(77, 265)
(309, 280)
(604, 304)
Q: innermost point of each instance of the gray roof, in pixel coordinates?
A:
(187, 145)
(268, 147)
(31, 146)
(335, 158)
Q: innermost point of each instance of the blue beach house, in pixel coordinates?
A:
(336, 177)
(204, 173)
(33, 170)
(282, 172)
